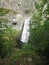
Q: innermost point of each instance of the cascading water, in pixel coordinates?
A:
(25, 32)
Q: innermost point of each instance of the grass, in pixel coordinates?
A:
(18, 56)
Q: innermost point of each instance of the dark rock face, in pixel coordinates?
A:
(19, 43)
(27, 11)
(14, 23)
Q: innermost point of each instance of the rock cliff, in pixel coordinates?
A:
(19, 10)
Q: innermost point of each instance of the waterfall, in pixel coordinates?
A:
(25, 32)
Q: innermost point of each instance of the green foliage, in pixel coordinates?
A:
(7, 35)
(7, 40)
(39, 33)
(2, 32)
(21, 57)
(38, 45)
(4, 11)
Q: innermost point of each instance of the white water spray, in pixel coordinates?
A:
(25, 32)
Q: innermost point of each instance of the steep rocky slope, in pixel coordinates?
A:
(20, 9)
